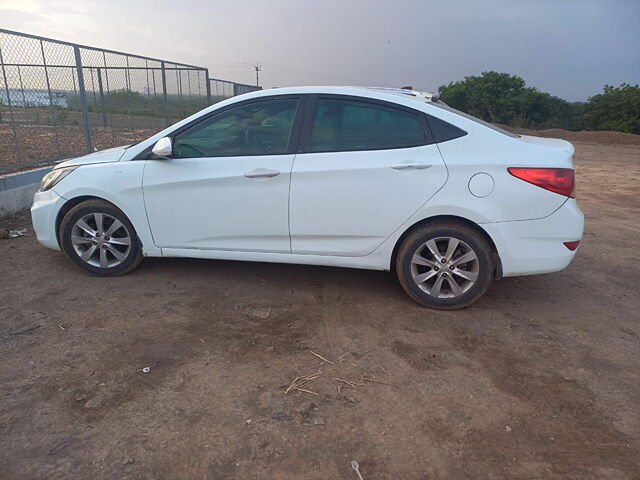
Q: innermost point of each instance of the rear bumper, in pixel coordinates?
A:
(536, 246)
(44, 212)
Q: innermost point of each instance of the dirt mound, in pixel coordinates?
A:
(583, 136)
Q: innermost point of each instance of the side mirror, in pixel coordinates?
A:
(163, 148)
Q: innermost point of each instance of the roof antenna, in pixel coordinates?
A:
(407, 88)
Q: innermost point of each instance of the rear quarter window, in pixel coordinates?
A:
(443, 131)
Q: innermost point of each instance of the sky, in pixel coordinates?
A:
(569, 48)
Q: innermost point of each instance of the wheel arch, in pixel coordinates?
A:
(450, 218)
(76, 201)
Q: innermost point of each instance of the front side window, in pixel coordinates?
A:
(258, 128)
(347, 125)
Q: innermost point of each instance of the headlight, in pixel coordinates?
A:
(54, 176)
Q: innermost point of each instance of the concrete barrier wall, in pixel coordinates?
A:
(17, 189)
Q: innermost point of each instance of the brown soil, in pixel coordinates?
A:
(540, 379)
(583, 136)
(41, 143)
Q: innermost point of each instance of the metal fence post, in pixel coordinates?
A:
(103, 107)
(164, 92)
(189, 89)
(153, 79)
(106, 72)
(73, 79)
(11, 117)
(179, 81)
(83, 99)
(52, 110)
(128, 75)
(93, 85)
(24, 99)
(146, 64)
(208, 83)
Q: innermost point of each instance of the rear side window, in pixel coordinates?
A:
(348, 125)
(443, 131)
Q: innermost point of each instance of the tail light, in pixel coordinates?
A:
(558, 180)
(572, 245)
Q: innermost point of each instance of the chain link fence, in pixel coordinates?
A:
(59, 99)
(221, 89)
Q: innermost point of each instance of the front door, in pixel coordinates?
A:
(226, 186)
(367, 168)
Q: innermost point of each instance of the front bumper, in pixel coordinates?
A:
(536, 246)
(44, 212)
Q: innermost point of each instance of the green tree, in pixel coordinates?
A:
(617, 108)
(504, 98)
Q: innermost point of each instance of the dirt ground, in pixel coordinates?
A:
(538, 380)
(583, 136)
(41, 143)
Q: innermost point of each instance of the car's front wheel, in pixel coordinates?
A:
(100, 239)
(445, 265)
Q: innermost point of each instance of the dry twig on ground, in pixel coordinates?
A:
(348, 382)
(322, 358)
(299, 381)
(373, 380)
(306, 391)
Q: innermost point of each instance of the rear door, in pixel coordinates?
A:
(365, 167)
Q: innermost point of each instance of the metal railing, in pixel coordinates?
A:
(60, 99)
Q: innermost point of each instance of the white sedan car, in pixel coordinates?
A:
(342, 176)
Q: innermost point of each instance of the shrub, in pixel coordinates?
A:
(504, 98)
(617, 108)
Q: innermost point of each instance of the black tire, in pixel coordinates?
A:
(469, 292)
(131, 254)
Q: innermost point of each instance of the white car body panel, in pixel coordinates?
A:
(119, 183)
(554, 143)
(348, 203)
(511, 198)
(44, 211)
(103, 156)
(209, 203)
(536, 246)
(355, 220)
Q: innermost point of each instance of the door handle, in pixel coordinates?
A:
(262, 173)
(416, 165)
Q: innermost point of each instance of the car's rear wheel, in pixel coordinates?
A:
(100, 239)
(445, 265)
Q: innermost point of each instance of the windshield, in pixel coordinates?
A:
(444, 106)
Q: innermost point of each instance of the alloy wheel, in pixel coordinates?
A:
(445, 267)
(101, 240)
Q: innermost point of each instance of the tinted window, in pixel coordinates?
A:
(343, 125)
(443, 131)
(258, 128)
